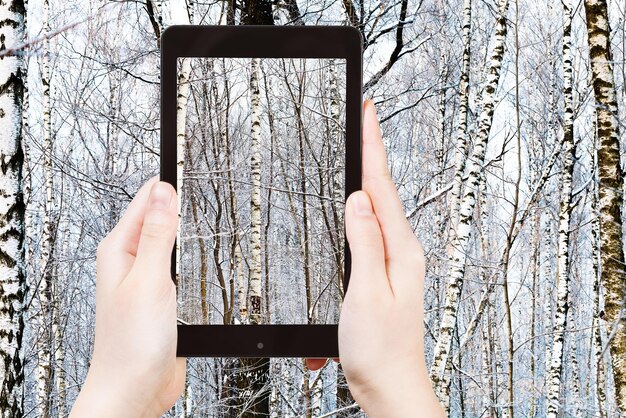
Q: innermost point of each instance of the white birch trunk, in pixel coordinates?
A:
(485, 363)
(336, 143)
(44, 370)
(493, 343)
(534, 262)
(255, 295)
(460, 154)
(59, 354)
(549, 318)
(31, 275)
(12, 281)
(597, 321)
(335, 127)
(466, 212)
(242, 285)
(184, 71)
(534, 196)
(575, 382)
(611, 186)
(59, 314)
(555, 372)
(441, 217)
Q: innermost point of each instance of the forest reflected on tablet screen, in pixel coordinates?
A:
(261, 146)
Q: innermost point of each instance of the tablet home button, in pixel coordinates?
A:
(259, 346)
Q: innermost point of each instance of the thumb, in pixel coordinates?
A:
(158, 233)
(366, 243)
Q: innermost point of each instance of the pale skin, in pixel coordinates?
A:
(134, 370)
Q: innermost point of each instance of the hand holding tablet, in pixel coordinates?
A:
(134, 371)
(381, 330)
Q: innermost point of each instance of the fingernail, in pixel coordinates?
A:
(362, 205)
(160, 196)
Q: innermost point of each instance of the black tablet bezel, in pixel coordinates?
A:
(263, 42)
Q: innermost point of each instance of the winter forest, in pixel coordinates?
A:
(503, 121)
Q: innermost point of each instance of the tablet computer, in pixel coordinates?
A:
(261, 137)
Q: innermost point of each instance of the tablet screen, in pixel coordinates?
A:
(261, 170)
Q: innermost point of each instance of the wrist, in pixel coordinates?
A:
(103, 396)
(398, 395)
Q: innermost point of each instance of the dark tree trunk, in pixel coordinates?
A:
(257, 12)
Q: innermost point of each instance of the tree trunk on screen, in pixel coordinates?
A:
(254, 374)
(337, 193)
(253, 379)
(181, 117)
(463, 227)
(12, 282)
(309, 383)
(203, 256)
(182, 97)
(219, 146)
(255, 296)
(610, 189)
(234, 250)
(266, 228)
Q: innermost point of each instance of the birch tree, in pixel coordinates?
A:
(12, 280)
(610, 188)
(597, 288)
(555, 372)
(255, 372)
(44, 340)
(182, 97)
(255, 296)
(460, 154)
(468, 202)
